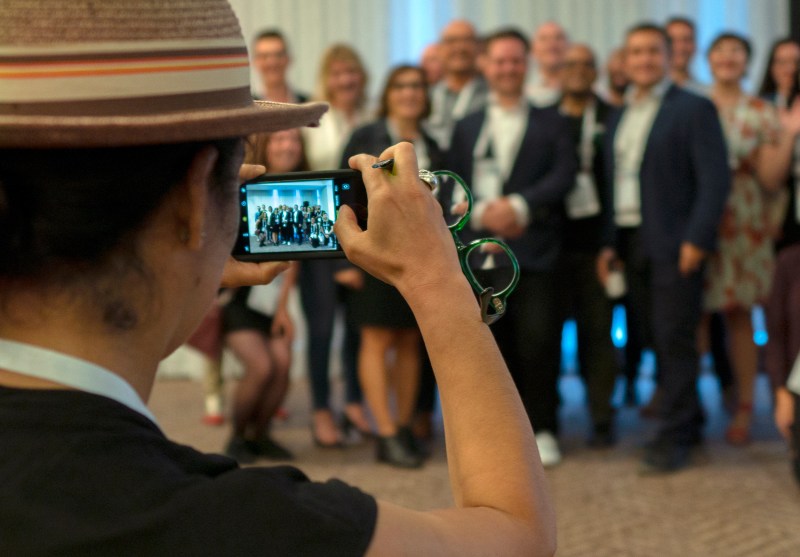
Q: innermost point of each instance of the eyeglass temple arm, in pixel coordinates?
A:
(486, 298)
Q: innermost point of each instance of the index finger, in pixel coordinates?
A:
(405, 163)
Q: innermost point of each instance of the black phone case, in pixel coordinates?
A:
(355, 197)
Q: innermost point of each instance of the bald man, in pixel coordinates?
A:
(581, 295)
(548, 47)
(462, 90)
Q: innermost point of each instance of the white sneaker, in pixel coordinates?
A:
(548, 448)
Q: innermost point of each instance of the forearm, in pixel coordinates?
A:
(492, 454)
(774, 162)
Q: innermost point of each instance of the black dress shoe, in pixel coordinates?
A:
(603, 437)
(664, 457)
(412, 443)
(266, 447)
(392, 450)
(241, 450)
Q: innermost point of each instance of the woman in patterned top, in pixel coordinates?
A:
(739, 275)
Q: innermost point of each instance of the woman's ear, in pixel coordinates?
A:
(192, 204)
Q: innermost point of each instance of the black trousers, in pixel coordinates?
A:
(529, 337)
(637, 301)
(582, 297)
(671, 305)
(320, 296)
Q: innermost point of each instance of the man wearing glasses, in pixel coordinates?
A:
(520, 163)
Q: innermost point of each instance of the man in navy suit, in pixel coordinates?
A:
(667, 167)
(520, 163)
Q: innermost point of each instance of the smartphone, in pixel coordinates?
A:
(291, 216)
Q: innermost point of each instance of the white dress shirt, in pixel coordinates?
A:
(503, 130)
(629, 146)
(324, 144)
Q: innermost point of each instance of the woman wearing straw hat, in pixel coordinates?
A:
(142, 105)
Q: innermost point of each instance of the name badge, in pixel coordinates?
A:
(487, 183)
(582, 201)
(626, 197)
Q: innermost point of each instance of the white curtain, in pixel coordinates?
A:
(387, 32)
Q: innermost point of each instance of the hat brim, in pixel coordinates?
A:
(119, 131)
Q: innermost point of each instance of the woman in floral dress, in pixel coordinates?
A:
(739, 274)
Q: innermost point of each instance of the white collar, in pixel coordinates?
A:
(69, 371)
(656, 92)
(522, 104)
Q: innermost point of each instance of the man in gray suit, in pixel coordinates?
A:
(462, 90)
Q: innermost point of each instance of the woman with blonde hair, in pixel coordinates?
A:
(342, 83)
(324, 284)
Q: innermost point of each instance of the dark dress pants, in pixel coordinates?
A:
(677, 306)
(581, 296)
(529, 337)
(637, 300)
(320, 296)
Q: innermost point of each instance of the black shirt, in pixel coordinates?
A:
(84, 475)
(585, 235)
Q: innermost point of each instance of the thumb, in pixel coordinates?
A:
(346, 226)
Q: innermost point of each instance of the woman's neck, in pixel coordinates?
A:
(726, 93)
(349, 109)
(406, 128)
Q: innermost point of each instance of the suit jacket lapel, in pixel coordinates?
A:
(660, 122)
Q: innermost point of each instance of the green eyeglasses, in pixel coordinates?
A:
(496, 265)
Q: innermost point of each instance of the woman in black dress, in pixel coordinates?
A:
(258, 330)
(388, 328)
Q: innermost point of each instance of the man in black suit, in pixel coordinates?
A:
(521, 163)
(297, 223)
(667, 166)
(581, 296)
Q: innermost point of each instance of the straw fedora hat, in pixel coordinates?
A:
(83, 73)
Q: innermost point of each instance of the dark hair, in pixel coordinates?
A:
(383, 107)
(731, 36)
(265, 34)
(650, 27)
(255, 151)
(768, 85)
(69, 217)
(682, 20)
(507, 33)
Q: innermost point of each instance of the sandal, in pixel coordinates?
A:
(739, 435)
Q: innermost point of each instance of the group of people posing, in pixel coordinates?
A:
(284, 226)
(680, 187)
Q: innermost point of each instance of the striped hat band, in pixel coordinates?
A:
(78, 64)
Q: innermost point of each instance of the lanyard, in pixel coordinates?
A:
(463, 101)
(41, 363)
(588, 127)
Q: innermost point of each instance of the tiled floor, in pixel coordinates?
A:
(734, 502)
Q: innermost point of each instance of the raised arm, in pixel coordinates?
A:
(502, 504)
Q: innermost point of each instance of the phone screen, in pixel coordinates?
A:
(291, 216)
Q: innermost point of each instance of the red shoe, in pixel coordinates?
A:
(214, 419)
(739, 435)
